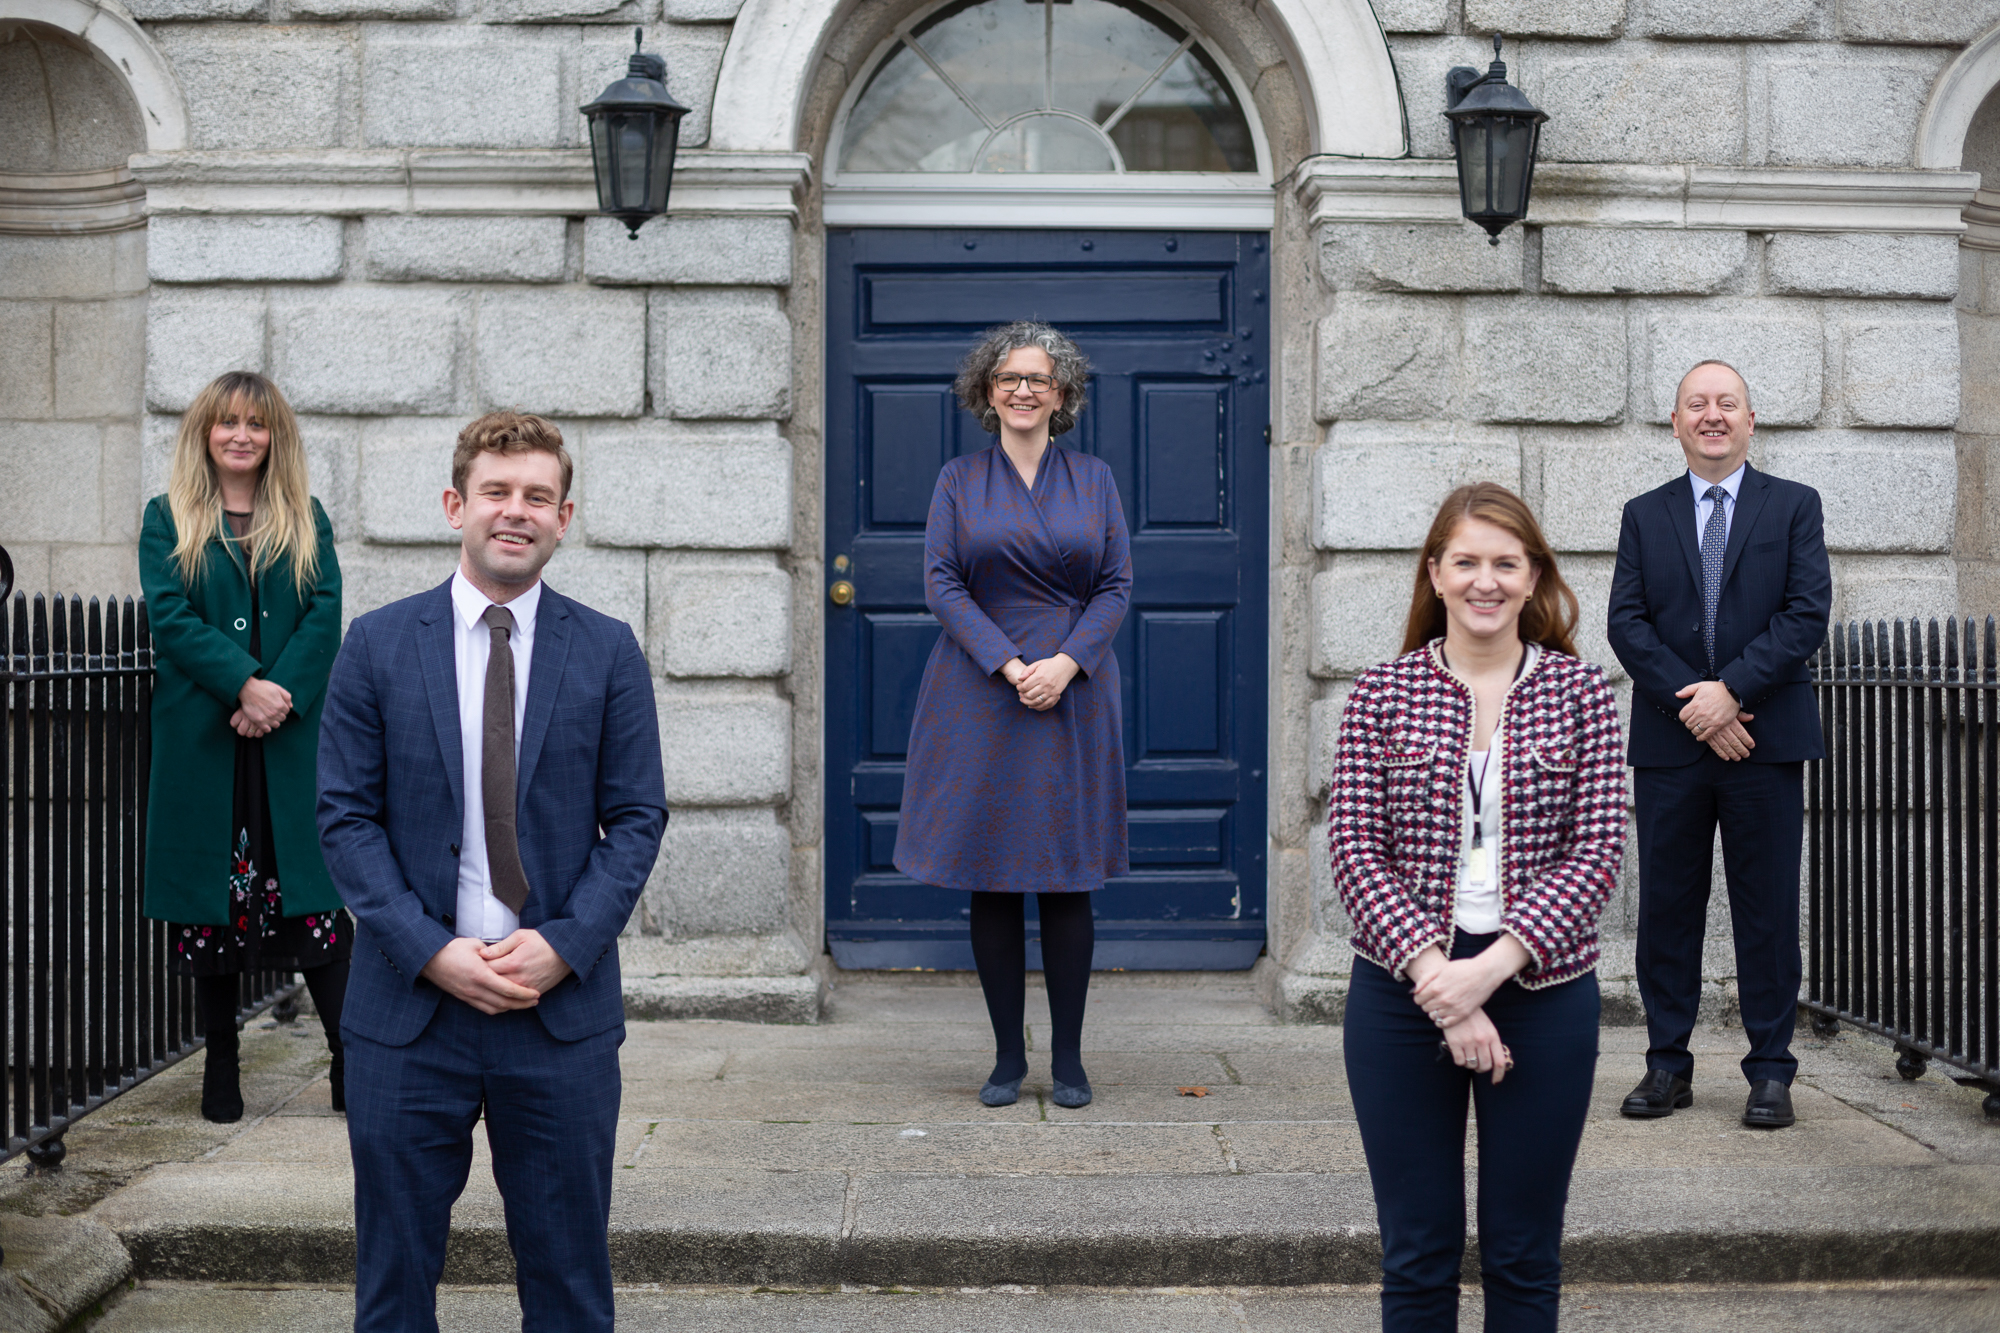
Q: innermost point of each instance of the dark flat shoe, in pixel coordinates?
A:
(1001, 1094)
(1769, 1106)
(1070, 1096)
(1659, 1094)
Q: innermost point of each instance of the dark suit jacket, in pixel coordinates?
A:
(591, 805)
(1777, 592)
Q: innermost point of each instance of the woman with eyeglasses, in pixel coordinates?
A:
(1016, 776)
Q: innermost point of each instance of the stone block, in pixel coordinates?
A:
(1831, 105)
(101, 357)
(193, 336)
(721, 354)
(1544, 359)
(244, 249)
(568, 351)
(1979, 353)
(168, 11)
(1413, 15)
(719, 616)
(1901, 372)
(1589, 577)
(714, 11)
(54, 481)
(119, 485)
(1691, 108)
(568, 11)
(404, 471)
(1547, 18)
(333, 449)
(27, 350)
(721, 872)
(724, 747)
(1882, 491)
(367, 351)
(1726, 18)
(480, 249)
(1418, 257)
(753, 251)
(351, 10)
(444, 86)
(1600, 260)
(677, 485)
(1323, 736)
(1859, 264)
(1387, 357)
(1885, 587)
(1421, 63)
(603, 579)
(105, 572)
(156, 453)
(1780, 355)
(85, 267)
(1588, 475)
(1377, 485)
(694, 59)
(1359, 605)
(374, 576)
(262, 86)
(1916, 22)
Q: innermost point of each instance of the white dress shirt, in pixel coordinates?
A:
(482, 916)
(1702, 504)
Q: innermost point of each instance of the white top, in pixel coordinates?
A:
(1478, 908)
(1702, 504)
(481, 915)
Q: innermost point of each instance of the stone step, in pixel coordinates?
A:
(1934, 1307)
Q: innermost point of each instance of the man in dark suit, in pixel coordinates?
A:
(491, 801)
(1719, 601)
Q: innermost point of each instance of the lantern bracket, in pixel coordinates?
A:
(1462, 79)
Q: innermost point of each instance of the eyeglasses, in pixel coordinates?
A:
(1007, 381)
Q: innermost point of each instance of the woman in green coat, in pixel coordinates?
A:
(243, 593)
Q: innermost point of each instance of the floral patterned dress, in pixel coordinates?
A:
(259, 936)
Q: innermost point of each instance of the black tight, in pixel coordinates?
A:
(216, 999)
(1000, 952)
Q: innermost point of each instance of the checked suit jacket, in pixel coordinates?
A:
(591, 805)
(1777, 593)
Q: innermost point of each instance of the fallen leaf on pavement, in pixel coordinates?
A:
(1192, 1092)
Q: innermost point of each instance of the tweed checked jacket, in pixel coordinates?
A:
(1397, 821)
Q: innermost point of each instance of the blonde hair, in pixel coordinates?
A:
(1551, 614)
(282, 527)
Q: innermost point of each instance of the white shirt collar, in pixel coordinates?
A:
(471, 604)
(1731, 483)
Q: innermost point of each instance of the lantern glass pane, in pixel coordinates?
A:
(661, 176)
(1472, 163)
(600, 153)
(632, 145)
(1508, 184)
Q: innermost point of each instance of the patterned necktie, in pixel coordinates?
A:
(1714, 541)
(496, 765)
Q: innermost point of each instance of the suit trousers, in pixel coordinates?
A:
(1410, 1101)
(1761, 811)
(551, 1111)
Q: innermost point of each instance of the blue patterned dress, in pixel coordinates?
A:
(999, 797)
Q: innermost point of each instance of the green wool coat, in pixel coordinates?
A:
(201, 646)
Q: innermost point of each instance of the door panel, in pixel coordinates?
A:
(1176, 328)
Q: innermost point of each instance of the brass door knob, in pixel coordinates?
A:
(841, 593)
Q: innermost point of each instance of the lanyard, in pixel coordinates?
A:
(1478, 787)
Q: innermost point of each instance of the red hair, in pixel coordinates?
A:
(1551, 614)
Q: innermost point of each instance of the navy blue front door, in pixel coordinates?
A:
(1176, 327)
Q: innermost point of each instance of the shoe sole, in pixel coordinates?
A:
(1770, 1123)
(1680, 1103)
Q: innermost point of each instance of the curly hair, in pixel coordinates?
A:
(976, 372)
(506, 432)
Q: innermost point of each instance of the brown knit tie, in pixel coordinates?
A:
(496, 766)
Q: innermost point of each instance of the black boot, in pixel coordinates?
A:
(221, 1086)
(336, 1076)
(328, 985)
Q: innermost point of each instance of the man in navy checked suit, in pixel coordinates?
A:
(485, 976)
(1719, 600)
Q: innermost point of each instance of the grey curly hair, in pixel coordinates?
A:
(976, 372)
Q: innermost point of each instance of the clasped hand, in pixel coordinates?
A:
(264, 704)
(1040, 685)
(513, 973)
(1453, 994)
(1712, 717)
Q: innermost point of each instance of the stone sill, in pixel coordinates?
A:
(438, 181)
(1610, 195)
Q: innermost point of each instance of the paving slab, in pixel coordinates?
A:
(165, 1307)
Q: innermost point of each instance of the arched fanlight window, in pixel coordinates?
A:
(1031, 86)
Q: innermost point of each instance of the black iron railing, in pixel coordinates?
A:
(1904, 844)
(88, 1006)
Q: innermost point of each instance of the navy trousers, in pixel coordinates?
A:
(1410, 1100)
(551, 1110)
(1761, 811)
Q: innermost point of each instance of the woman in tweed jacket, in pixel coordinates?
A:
(1478, 819)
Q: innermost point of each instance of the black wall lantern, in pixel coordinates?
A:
(635, 129)
(1494, 132)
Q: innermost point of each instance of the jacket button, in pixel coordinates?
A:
(448, 919)
(241, 623)
(454, 849)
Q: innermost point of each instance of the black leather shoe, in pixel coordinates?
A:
(1770, 1105)
(1659, 1094)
